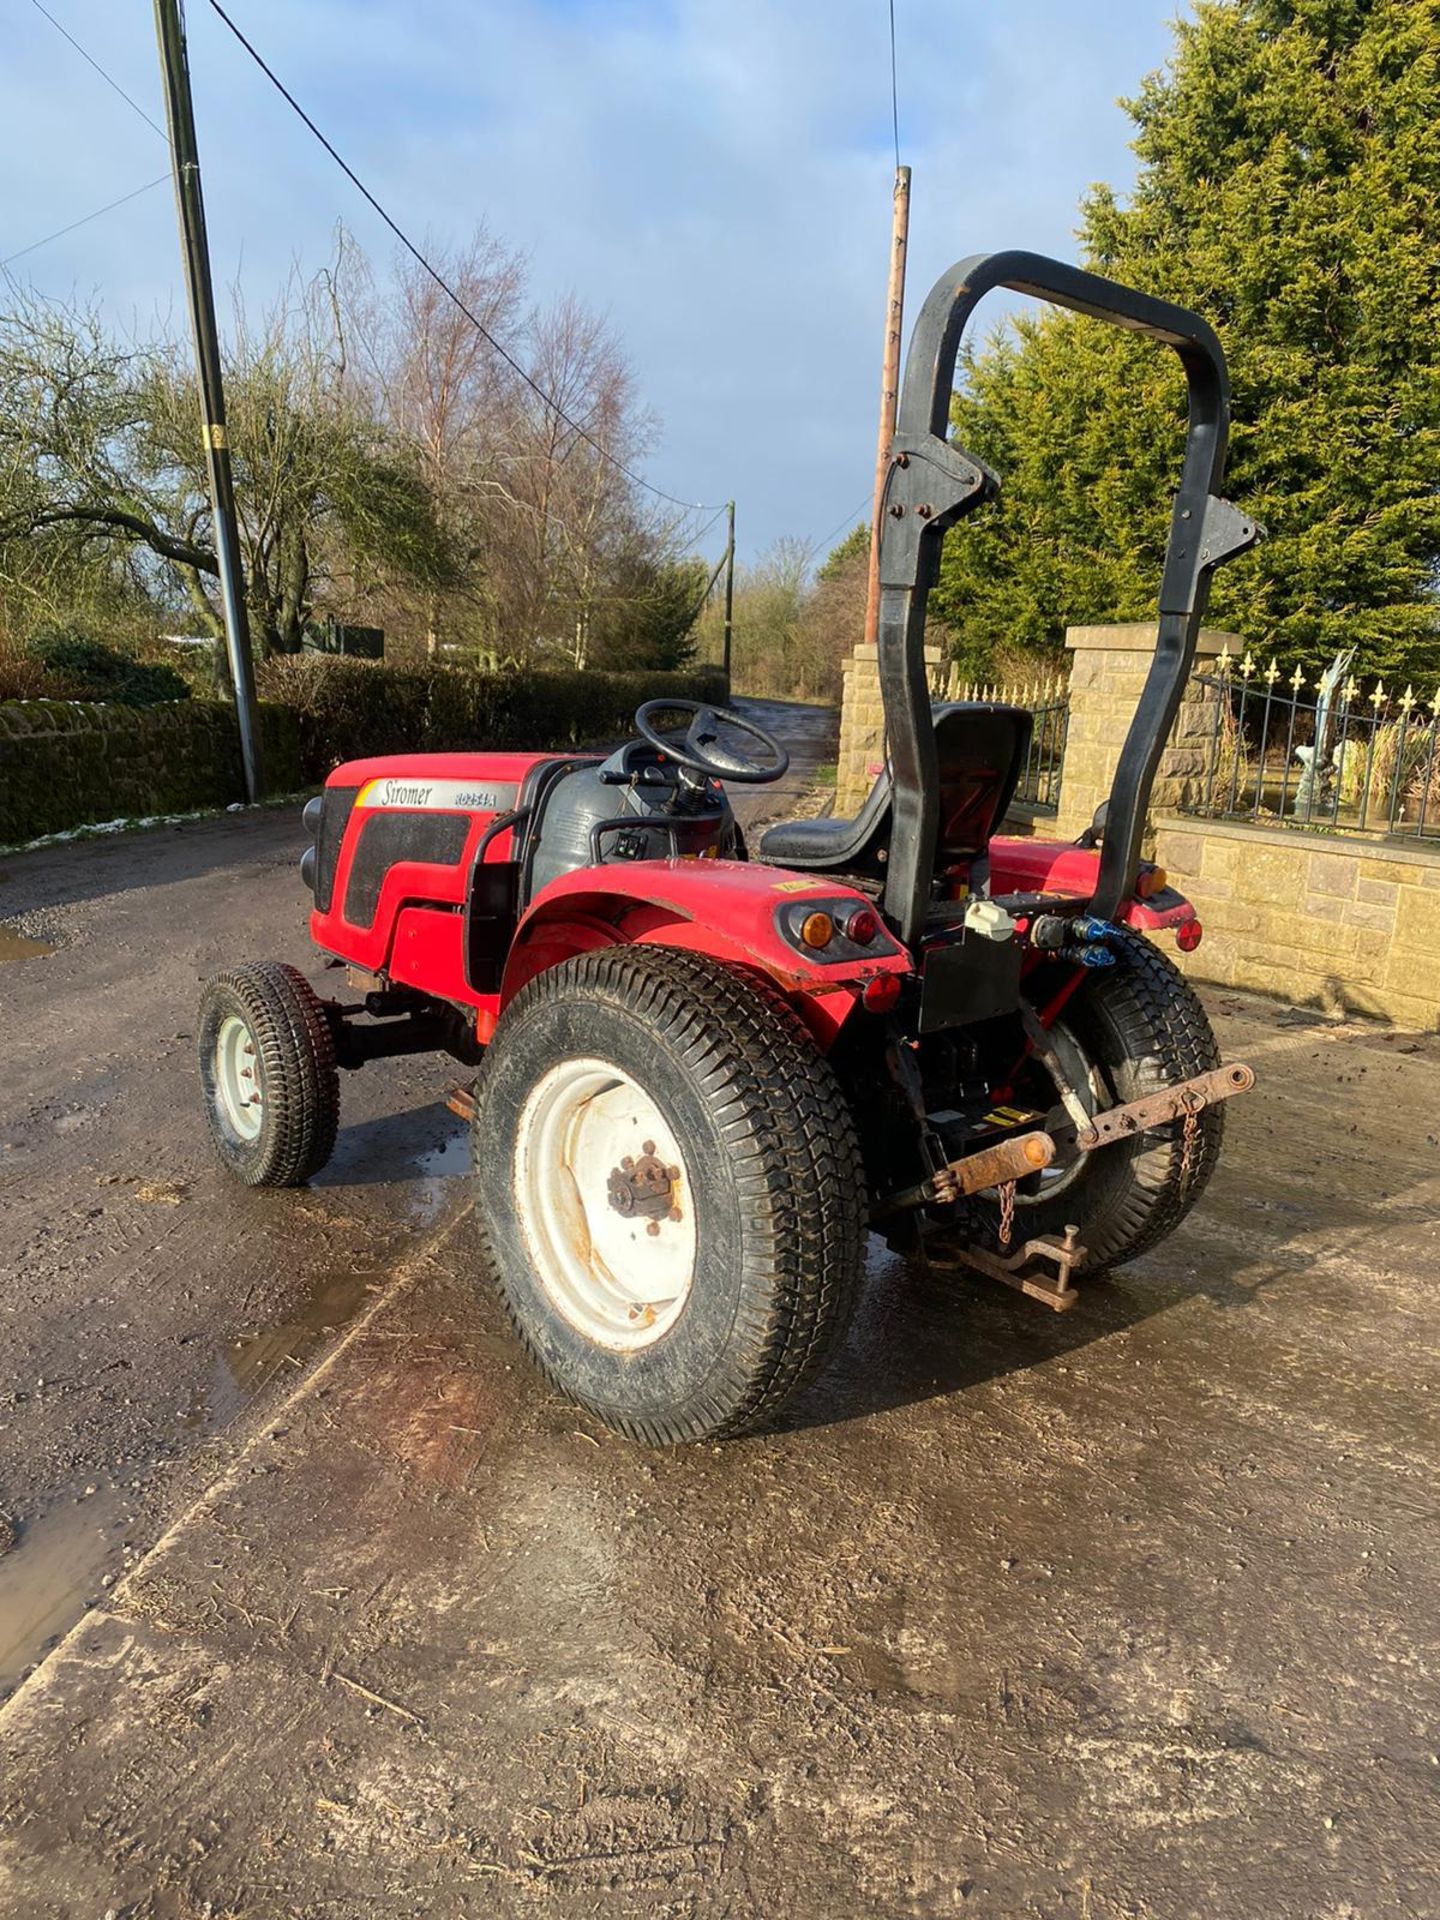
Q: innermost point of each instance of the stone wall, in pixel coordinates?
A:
(1349, 925)
(68, 763)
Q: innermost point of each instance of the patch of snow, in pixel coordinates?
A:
(134, 824)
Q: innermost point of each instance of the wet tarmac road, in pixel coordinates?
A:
(1125, 1612)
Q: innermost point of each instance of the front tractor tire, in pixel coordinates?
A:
(268, 1074)
(669, 1189)
(1134, 1029)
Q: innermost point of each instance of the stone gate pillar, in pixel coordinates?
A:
(1107, 671)
(862, 728)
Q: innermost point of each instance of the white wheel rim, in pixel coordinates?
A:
(238, 1086)
(605, 1204)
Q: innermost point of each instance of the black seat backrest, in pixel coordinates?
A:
(982, 750)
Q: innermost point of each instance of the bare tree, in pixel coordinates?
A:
(440, 386)
(390, 465)
(99, 446)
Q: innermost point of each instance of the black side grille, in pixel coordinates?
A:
(386, 837)
(334, 817)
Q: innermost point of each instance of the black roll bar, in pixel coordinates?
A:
(931, 484)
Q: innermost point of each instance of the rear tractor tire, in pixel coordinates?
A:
(1132, 1030)
(268, 1074)
(669, 1190)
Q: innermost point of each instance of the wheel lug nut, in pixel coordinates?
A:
(647, 1146)
(653, 1228)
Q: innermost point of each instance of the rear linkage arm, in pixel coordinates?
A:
(1027, 1153)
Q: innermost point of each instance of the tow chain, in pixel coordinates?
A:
(1189, 1137)
(1006, 1191)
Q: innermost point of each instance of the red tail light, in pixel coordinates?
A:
(881, 993)
(1188, 935)
(862, 927)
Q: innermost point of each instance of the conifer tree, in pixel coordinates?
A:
(1289, 190)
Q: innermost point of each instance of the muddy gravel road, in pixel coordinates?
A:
(1125, 1612)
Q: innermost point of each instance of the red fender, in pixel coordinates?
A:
(725, 908)
(1056, 866)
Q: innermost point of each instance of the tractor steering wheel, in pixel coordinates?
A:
(701, 749)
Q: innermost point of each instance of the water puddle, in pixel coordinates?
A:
(60, 1563)
(63, 1556)
(435, 1175)
(19, 946)
(55, 1571)
(254, 1360)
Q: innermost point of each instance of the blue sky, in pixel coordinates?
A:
(715, 175)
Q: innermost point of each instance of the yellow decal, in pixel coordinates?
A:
(794, 886)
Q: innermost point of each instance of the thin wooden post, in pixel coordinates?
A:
(729, 586)
(889, 385)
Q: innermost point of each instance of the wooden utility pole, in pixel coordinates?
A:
(729, 586)
(190, 204)
(889, 386)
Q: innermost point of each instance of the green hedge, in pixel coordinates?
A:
(348, 709)
(67, 763)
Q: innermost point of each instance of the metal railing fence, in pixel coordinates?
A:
(1336, 753)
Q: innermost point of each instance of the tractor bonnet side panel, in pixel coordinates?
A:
(400, 834)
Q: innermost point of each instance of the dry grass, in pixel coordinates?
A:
(1399, 760)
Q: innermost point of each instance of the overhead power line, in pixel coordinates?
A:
(108, 78)
(690, 506)
(719, 511)
(851, 520)
(85, 219)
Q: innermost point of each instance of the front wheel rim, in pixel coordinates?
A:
(239, 1090)
(605, 1204)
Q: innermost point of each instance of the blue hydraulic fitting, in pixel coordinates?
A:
(1090, 928)
(1092, 955)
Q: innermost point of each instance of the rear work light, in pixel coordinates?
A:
(1188, 935)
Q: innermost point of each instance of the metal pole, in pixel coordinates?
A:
(190, 205)
(729, 587)
(889, 386)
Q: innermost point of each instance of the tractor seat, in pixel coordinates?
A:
(981, 749)
(825, 844)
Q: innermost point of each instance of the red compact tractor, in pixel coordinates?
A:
(703, 1074)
